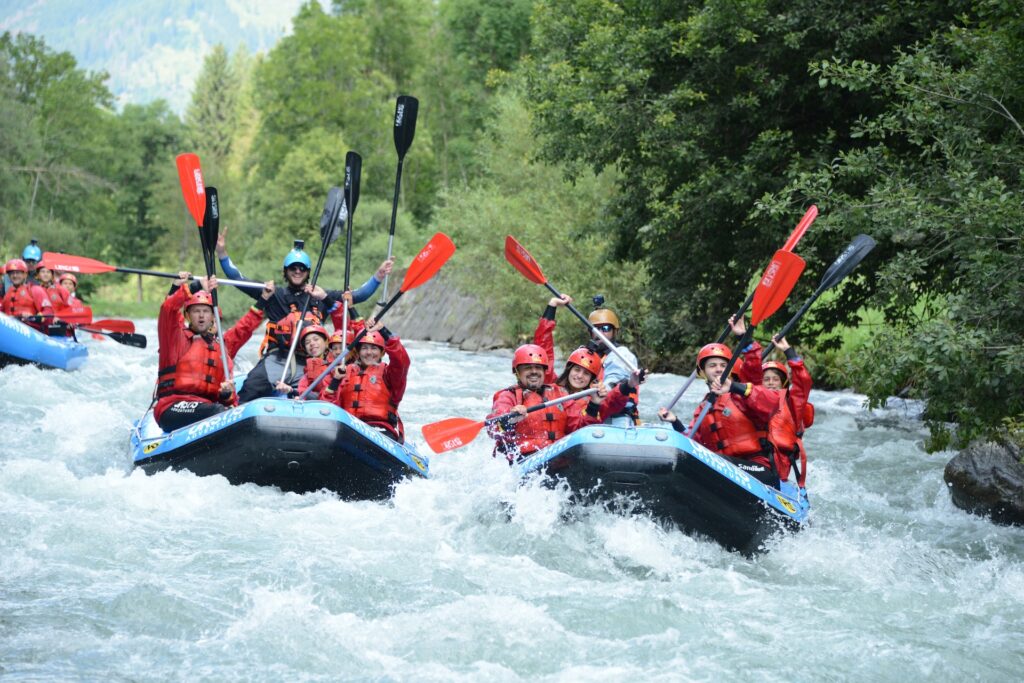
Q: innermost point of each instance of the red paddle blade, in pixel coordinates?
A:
(126, 326)
(521, 260)
(66, 263)
(192, 187)
(777, 282)
(98, 337)
(450, 434)
(82, 317)
(801, 228)
(430, 259)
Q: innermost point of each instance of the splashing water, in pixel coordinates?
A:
(107, 573)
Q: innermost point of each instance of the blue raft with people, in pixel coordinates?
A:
(23, 345)
(296, 446)
(672, 477)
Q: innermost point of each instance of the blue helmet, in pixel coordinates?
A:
(32, 252)
(297, 255)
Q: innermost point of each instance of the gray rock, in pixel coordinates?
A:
(988, 479)
(439, 311)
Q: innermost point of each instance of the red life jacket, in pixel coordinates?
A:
(57, 294)
(198, 372)
(18, 301)
(364, 394)
(785, 431)
(540, 428)
(733, 433)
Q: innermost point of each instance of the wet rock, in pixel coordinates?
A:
(439, 311)
(988, 479)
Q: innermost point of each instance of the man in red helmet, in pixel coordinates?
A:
(370, 389)
(192, 382)
(520, 433)
(24, 299)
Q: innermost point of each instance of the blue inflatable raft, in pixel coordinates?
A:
(21, 345)
(297, 446)
(674, 478)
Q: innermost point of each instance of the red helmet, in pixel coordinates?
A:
(713, 351)
(586, 359)
(529, 354)
(778, 367)
(200, 298)
(68, 276)
(375, 338)
(313, 329)
(15, 264)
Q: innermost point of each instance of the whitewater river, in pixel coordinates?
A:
(107, 574)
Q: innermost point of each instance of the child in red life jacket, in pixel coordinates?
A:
(371, 389)
(793, 413)
(737, 424)
(26, 300)
(59, 297)
(520, 433)
(583, 369)
(192, 382)
(314, 343)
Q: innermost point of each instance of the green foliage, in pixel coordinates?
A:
(213, 113)
(553, 218)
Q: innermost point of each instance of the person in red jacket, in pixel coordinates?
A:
(737, 424)
(520, 433)
(370, 389)
(57, 293)
(192, 382)
(583, 369)
(25, 300)
(794, 412)
(314, 342)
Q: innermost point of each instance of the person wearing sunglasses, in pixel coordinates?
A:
(616, 374)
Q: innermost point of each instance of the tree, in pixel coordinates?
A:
(212, 116)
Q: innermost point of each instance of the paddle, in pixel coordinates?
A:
(126, 338)
(69, 263)
(794, 239)
(456, 432)
(329, 231)
(208, 236)
(426, 264)
(521, 260)
(83, 316)
(851, 257)
(190, 175)
(124, 326)
(406, 108)
(353, 172)
(775, 285)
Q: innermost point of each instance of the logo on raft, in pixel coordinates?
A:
(214, 423)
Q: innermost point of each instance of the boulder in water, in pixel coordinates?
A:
(988, 479)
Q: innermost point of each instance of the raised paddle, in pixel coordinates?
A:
(69, 263)
(776, 283)
(851, 257)
(521, 260)
(790, 245)
(426, 264)
(190, 175)
(330, 228)
(456, 432)
(406, 109)
(208, 232)
(353, 172)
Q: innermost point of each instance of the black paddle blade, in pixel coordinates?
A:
(334, 207)
(353, 169)
(211, 226)
(860, 247)
(136, 340)
(406, 108)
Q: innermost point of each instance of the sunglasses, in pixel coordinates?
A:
(298, 268)
(605, 327)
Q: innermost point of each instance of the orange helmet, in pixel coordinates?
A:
(313, 329)
(15, 264)
(586, 359)
(778, 367)
(529, 354)
(714, 350)
(338, 338)
(375, 338)
(200, 298)
(604, 316)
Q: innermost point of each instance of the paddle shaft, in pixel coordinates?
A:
(607, 342)
(391, 233)
(174, 276)
(546, 404)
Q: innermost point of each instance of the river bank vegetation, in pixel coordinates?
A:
(654, 152)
